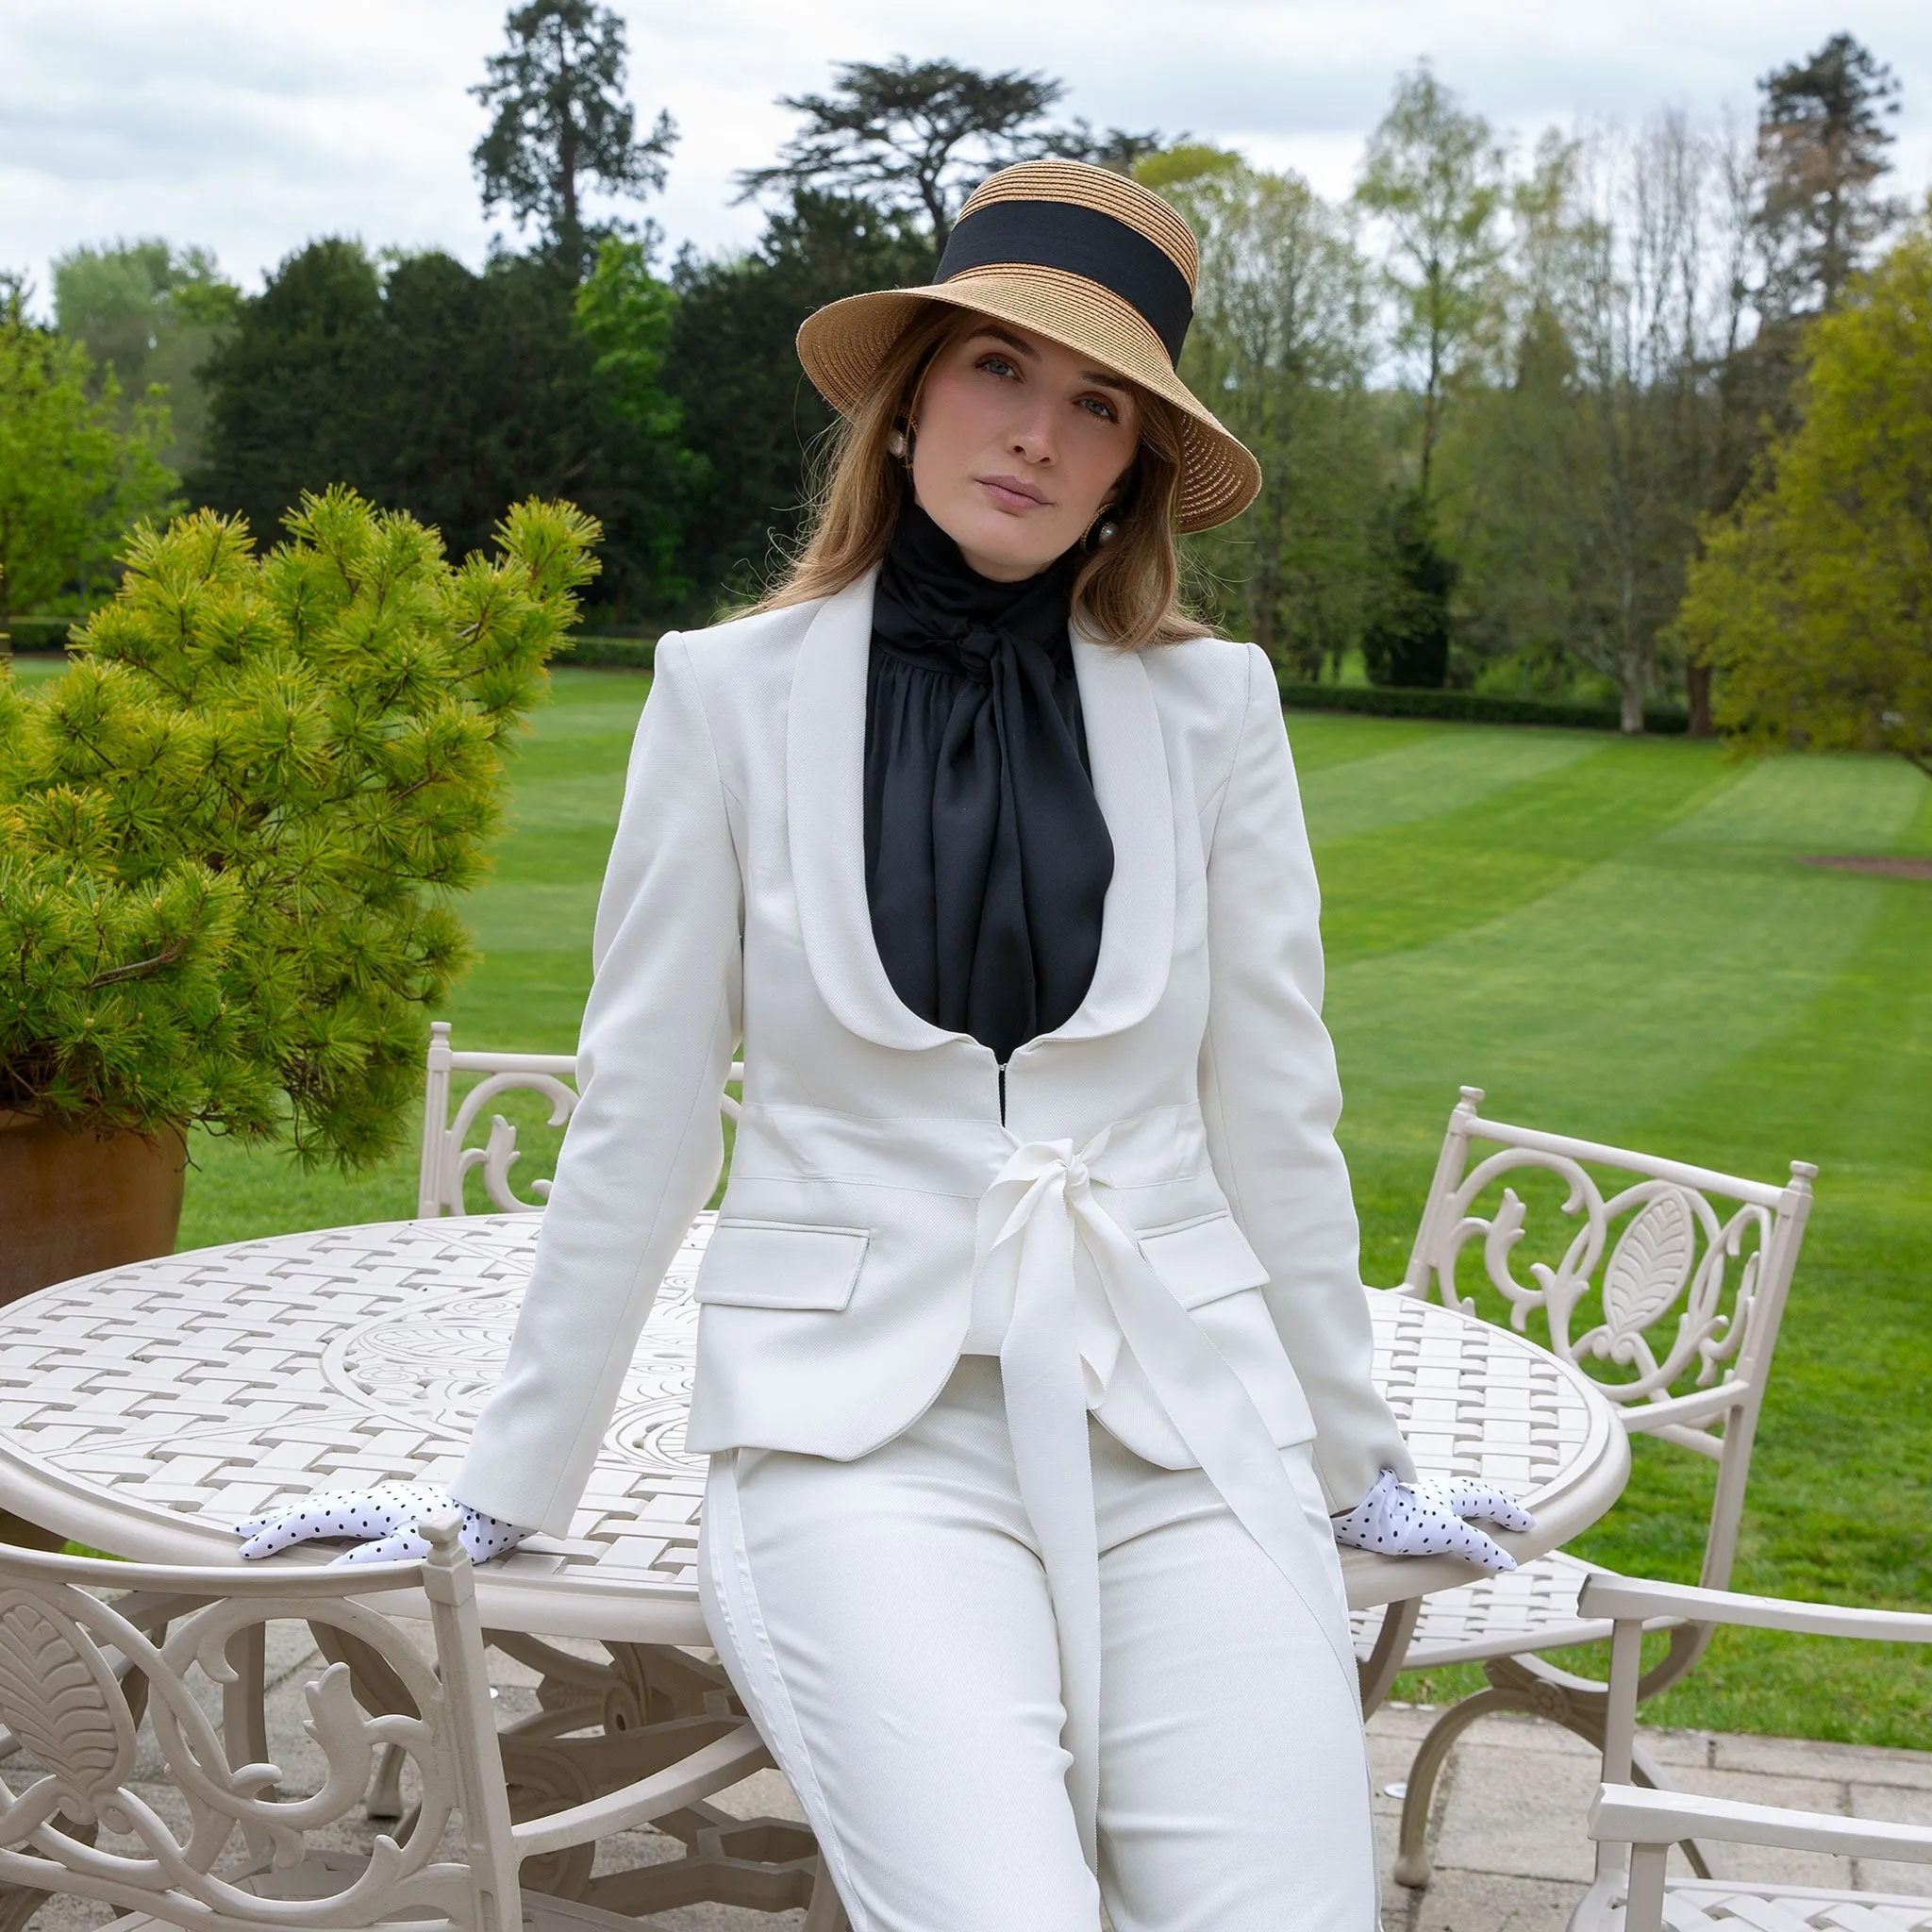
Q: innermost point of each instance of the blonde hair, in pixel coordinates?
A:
(1127, 592)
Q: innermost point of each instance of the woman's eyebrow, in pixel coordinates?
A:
(1011, 341)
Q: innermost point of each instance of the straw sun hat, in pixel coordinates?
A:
(1087, 258)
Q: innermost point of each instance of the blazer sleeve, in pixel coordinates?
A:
(1272, 1096)
(645, 1147)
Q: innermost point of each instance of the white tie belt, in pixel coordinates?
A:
(1039, 1208)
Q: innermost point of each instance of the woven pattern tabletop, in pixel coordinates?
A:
(148, 1408)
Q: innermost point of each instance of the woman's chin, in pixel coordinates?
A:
(1001, 546)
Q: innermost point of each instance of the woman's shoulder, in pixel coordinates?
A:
(1215, 678)
(745, 631)
(741, 653)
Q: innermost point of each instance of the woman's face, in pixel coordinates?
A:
(1017, 445)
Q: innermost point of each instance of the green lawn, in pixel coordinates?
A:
(1612, 939)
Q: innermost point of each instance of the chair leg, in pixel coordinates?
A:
(1377, 1671)
(1412, 1862)
(1644, 1911)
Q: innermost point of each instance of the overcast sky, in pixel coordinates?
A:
(251, 125)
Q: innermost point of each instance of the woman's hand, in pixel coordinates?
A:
(1432, 1519)
(382, 1521)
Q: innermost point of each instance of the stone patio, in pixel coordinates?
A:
(1511, 1850)
(1512, 1853)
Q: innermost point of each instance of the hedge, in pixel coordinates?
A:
(629, 653)
(49, 634)
(33, 636)
(1477, 708)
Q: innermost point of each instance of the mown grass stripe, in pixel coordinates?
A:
(1433, 779)
(1405, 888)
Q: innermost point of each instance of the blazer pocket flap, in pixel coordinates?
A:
(1202, 1261)
(780, 1264)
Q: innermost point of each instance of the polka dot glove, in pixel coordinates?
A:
(382, 1521)
(1432, 1519)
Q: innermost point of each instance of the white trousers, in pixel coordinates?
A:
(888, 1623)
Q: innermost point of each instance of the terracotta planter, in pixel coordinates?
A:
(71, 1202)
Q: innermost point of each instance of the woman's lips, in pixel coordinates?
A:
(1010, 494)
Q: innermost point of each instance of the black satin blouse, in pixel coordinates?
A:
(987, 858)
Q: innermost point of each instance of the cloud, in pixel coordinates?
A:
(252, 128)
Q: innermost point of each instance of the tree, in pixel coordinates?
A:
(559, 121)
(749, 417)
(1813, 597)
(230, 834)
(1282, 339)
(915, 137)
(1638, 320)
(1821, 137)
(292, 406)
(434, 389)
(70, 483)
(1437, 176)
(1408, 628)
(152, 314)
(1577, 484)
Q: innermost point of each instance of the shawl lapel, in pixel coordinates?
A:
(825, 759)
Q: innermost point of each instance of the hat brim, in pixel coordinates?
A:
(844, 344)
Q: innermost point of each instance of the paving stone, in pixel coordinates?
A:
(1410, 1720)
(1481, 1902)
(1510, 1730)
(1811, 1757)
(1897, 1806)
(1518, 1812)
(1679, 1747)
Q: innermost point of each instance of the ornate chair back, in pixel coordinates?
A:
(446, 1160)
(1669, 1288)
(79, 1662)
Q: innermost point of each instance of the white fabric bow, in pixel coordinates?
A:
(1041, 1207)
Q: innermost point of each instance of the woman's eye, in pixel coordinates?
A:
(1101, 407)
(997, 365)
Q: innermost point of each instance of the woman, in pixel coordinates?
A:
(1033, 1354)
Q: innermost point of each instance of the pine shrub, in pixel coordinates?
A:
(231, 834)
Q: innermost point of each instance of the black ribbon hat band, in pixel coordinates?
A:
(1082, 242)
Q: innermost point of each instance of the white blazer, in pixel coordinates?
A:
(1183, 1118)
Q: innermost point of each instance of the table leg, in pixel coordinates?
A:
(602, 1724)
(826, 1913)
(384, 1804)
(1379, 1670)
(245, 1711)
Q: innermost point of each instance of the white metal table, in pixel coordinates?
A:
(148, 1408)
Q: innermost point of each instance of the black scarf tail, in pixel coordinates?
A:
(988, 859)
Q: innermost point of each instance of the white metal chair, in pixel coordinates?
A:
(241, 1855)
(1671, 1287)
(1650, 1821)
(446, 1160)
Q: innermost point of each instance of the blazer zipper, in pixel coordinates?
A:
(1003, 1096)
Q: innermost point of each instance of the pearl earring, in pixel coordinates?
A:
(895, 444)
(1109, 531)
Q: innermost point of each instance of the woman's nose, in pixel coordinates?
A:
(1032, 438)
